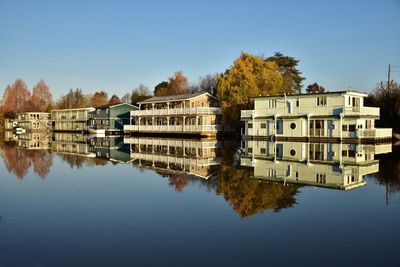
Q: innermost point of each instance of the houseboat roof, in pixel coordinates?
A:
(173, 98)
(63, 109)
(115, 105)
(314, 94)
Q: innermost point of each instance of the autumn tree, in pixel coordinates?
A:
(139, 94)
(177, 85)
(292, 79)
(41, 97)
(99, 99)
(74, 99)
(114, 100)
(16, 98)
(249, 76)
(315, 88)
(160, 86)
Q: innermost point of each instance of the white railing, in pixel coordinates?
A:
(374, 133)
(177, 111)
(371, 111)
(172, 128)
(175, 160)
(247, 113)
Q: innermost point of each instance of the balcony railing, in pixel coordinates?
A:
(374, 133)
(173, 128)
(177, 111)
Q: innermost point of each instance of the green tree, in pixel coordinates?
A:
(292, 79)
(160, 86)
(249, 76)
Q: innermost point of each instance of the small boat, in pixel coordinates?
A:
(19, 130)
(97, 131)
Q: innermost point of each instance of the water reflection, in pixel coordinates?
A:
(253, 177)
(338, 166)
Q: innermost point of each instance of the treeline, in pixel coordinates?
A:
(249, 76)
(387, 98)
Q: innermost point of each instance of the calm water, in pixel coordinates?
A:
(70, 200)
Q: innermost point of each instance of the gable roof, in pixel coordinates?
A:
(173, 98)
(114, 105)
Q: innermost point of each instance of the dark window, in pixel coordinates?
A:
(352, 128)
(263, 125)
(344, 128)
(293, 126)
(292, 152)
(263, 151)
(250, 125)
(352, 154)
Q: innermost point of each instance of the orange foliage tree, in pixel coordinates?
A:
(16, 97)
(177, 85)
(114, 100)
(41, 97)
(99, 99)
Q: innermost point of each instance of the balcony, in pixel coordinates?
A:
(177, 111)
(361, 111)
(247, 113)
(172, 128)
(374, 133)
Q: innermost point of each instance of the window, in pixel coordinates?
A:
(359, 126)
(344, 128)
(263, 151)
(292, 152)
(293, 126)
(321, 101)
(344, 153)
(352, 128)
(272, 103)
(297, 102)
(352, 154)
(107, 110)
(250, 125)
(263, 125)
(249, 150)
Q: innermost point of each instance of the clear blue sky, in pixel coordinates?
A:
(115, 45)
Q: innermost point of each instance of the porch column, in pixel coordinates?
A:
(341, 126)
(183, 122)
(139, 123)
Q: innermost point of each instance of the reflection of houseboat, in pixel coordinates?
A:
(30, 140)
(340, 166)
(332, 116)
(194, 157)
(68, 143)
(197, 114)
(110, 148)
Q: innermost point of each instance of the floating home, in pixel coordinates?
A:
(337, 166)
(110, 118)
(322, 117)
(29, 121)
(71, 120)
(194, 114)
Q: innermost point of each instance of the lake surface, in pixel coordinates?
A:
(73, 200)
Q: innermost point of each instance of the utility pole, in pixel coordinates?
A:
(388, 81)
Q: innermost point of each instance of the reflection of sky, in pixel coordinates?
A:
(120, 215)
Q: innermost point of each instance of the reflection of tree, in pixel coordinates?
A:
(73, 161)
(42, 161)
(178, 181)
(247, 195)
(18, 161)
(389, 171)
